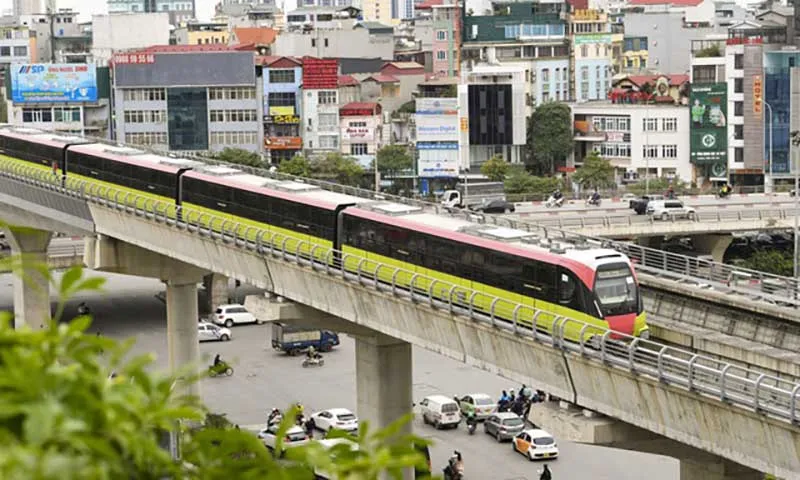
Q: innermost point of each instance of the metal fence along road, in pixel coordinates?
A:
(727, 383)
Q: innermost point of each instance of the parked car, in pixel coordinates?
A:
(208, 332)
(339, 418)
(666, 209)
(440, 411)
(536, 444)
(233, 314)
(295, 436)
(503, 425)
(640, 205)
(495, 206)
(481, 404)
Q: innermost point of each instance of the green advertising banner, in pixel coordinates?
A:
(709, 122)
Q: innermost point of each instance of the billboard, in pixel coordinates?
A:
(358, 133)
(437, 120)
(437, 159)
(709, 115)
(200, 69)
(55, 82)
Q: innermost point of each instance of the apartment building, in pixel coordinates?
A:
(281, 80)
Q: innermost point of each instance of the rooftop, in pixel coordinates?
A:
(679, 3)
(382, 78)
(404, 65)
(255, 36)
(209, 47)
(674, 80)
(268, 60)
(361, 106)
(348, 81)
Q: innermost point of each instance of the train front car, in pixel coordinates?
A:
(615, 290)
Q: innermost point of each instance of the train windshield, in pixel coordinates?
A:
(616, 290)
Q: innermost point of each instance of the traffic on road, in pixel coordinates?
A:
(264, 378)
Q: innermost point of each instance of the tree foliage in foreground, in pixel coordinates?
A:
(596, 172)
(240, 156)
(772, 261)
(495, 169)
(62, 417)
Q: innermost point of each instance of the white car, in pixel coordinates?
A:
(339, 418)
(233, 314)
(295, 436)
(481, 404)
(666, 209)
(208, 332)
(536, 444)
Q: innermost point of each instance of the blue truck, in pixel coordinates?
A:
(294, 340)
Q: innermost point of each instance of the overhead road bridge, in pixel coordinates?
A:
(747, 424)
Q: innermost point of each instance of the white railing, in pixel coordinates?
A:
(704, 217)
(745, 388)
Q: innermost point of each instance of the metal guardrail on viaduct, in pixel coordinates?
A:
(720, 386)
(725, 382)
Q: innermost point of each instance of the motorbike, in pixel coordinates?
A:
(84, 309)
(596, 203)
(454, 469)
(220, 369)
(471, 426)
(315, 361)
(553, 202)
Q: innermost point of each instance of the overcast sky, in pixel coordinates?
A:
(205, 8)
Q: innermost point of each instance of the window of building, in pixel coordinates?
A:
(584, 74)
(650, 151)
(282, 99)
(650, 124)
(357, 124)
(144, 95)
(738, 132)
(615, 150)
(145, 116)
(738, 85)
(326, 97)
(281, 76)
(234, 138)
(669, 124)
(738, 155)
(37, 115)
(67, 114)
(545, 96)
(441, 35)
(585, 90)
(358, 149)
(738, 109)
(20, 51)
(545, 75)
(584, 51)
(669, 151)
(738, 61)
(441, 55)
(5, 51)
(146, 138)
(328, 141)
(328, 122)
(231, 93)
(233, 116)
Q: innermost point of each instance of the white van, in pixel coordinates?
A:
(440, 411)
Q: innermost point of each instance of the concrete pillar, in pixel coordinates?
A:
(31, 285)
(182, 316)
(217, 290)
(719, 470)
(712, 244)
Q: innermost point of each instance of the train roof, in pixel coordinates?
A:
(53, 139)
(132, 156)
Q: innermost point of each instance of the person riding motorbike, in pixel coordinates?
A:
(455, 467)
(217, 360)
(595, 198)
(274, 416)
(83, 309)
(502, 404)
(300, 416)
(472, 422)
(670, 193)
(724, 191)
(546, 474)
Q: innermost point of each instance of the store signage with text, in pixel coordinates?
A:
(283, 143)
(357, 133)
(758, 95)
(133, 58)
(282, 119)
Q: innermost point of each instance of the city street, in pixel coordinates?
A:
(264, 379)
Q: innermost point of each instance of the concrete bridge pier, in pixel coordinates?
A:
(713, 244)
(111, 255)
(31, 284)
(217, 290)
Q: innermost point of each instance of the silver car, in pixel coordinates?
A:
(503, 425)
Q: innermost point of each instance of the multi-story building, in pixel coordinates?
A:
(394, 85)
(17, 45)
(591, 59)
(196, 98)
(781, 89)
(72, 98)
(67, 42)
(446, 44)
(281, 78)
(494, 102)
(27, 7)
(126, 31)
(639, 138)
(360, 126)
(352, 40)
(197, 33)
(349, 89)
(383, 11)
(320, 105)
(531, 35)
(236, 13)
(709, 111)
(259, 39)
(316, 17)
(178, 10)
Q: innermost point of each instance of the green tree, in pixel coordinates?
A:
(550, 137)
(240, 156)
(64, 417)
(520, 182)
(658, 186)
(338, 168)
(771, 261)
(495, 169)
(393, 159)
(297, 165)
(596, 172)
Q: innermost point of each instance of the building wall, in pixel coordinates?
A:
(599, 79)
(177, 10)
(117, 32)
(356, 43)
(446, 19)
(546, 86)
(391, 96)
(320, 123)
(276, 130)
(372, 139)
(378, 10)
(20, 48)
(27, 7)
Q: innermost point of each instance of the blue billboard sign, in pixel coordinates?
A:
(53, 82)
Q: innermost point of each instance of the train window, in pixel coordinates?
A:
(539, 278)
(570, 291)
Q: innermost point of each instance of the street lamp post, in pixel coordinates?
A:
(795, 143)
(768, 185)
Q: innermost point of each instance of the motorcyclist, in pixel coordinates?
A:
(557, 195)
(83, 309)
(300, 415)
(274, 416)
(312, 354)
(217, 360)
(670, 192)
(502, 404)
(725, 190)
(455, 466)
(546, 474)
(595, 198)
(471, 419)
(526, 391)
